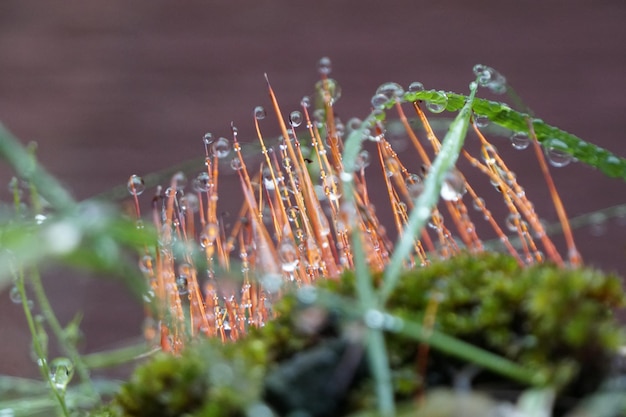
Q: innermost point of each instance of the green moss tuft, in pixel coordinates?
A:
(208, 379)
(558, 322)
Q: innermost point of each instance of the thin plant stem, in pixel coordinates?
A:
(42, 361)
(68, 348)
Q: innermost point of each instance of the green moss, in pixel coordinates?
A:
(556, 321)
(208, 379)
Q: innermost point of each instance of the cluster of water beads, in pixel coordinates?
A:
(295, 227)
(490, 78)
(557, 152)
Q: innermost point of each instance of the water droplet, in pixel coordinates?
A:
(189, 202)
(362, 160)
(185, 269)
(332, 187)
(353, 124)
(209, 234)
(146, 263)
(490, 78)
(392, 167)
(453, 186)
(61, 372)
(135, 185)
(557, 152)
(481, 121)
(259, 113)
(15, 295)
(288, 254)
(221, 147)
(415, 189)
(346, 176)
(520, 140)
(478, 203)
(438, 103)
(416, 86)
(171, 192)
(292, 213)
(436, 221)
(182, 284)
(207, 138)
(488, 154)
(512, 221)
(305, 102)
(324, 66)
(379, 101)
(236, 164)
(374, 319)
(180, 180)
(202, 183)
(390, 90)
(295, 118)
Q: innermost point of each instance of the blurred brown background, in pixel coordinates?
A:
(111, 88)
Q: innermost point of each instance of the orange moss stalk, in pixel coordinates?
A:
(295, 228)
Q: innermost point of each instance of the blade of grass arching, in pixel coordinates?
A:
(376, 349)
(22, 161)
(444, 162)
(503, 115)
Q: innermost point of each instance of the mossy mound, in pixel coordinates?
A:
(558, 322)
(209, 379)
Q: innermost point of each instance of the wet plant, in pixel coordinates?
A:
(307, 286)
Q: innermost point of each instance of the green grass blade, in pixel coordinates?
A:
(503, 115)
(22, 161)
(376, 349)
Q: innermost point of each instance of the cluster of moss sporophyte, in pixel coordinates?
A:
(309, 197)
(308, 216)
